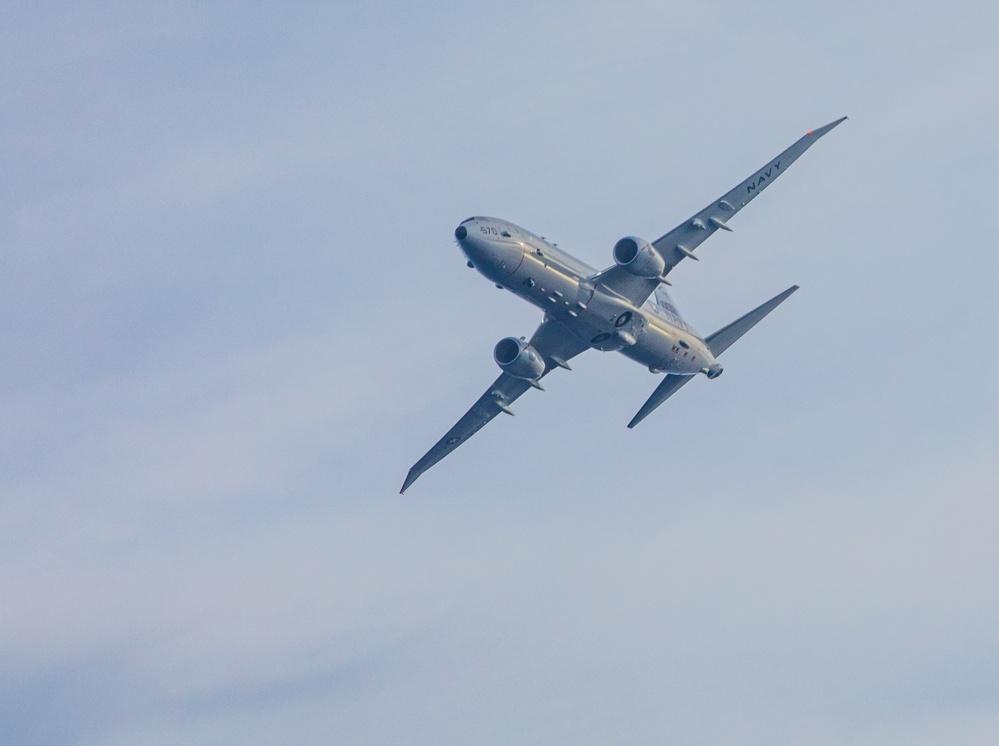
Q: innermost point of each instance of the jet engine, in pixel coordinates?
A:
(638, 257)
(519, 359)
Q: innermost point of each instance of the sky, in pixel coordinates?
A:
(232, 316)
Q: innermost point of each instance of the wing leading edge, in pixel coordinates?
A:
(554, 342)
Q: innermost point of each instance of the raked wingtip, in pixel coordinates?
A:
(818, 132)
(410, 478)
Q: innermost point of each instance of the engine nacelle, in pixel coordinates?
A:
(519, 359)
(637, 257)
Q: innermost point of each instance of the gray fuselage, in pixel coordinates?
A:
(564, 288)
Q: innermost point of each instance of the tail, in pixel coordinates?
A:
(718, 342)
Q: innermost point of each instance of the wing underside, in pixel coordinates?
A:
(680, 242)
(554, 342)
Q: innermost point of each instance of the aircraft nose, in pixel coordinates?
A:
(493, 256)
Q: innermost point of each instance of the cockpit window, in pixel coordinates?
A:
(466, 220)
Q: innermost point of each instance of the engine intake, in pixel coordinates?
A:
(519, 359)
(637, 257)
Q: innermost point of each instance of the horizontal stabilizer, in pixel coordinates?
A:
(725, 337)
(669, 386)
(718, 342)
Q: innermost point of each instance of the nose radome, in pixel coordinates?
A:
(460, 232)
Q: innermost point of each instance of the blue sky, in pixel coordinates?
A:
(233, 316)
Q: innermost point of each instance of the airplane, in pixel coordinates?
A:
(624, 308)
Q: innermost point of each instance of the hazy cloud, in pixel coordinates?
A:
(233, 316)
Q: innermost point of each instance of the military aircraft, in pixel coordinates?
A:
(624, 308)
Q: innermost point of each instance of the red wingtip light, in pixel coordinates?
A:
(809, 132)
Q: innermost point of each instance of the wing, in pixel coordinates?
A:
(554, 342)
(680, 242)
